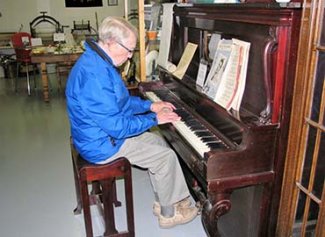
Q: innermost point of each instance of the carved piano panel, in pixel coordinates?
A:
(236, 177)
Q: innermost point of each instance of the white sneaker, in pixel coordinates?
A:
(181, 216)
(186, 202)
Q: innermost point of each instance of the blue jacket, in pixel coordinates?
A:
(102, 114)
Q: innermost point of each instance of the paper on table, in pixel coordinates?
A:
(58, 37)
(185, 60)
(36, 41)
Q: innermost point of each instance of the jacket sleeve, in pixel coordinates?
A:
(99, 101)
(139, 105)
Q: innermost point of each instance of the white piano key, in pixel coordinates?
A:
(184, 130)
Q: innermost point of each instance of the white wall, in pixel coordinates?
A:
(15, 13)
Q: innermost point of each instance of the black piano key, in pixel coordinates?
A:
(210, 139)
(183, 114)
(197, 128)
(204, 134)
(179, 111)
(215, 145)
(191, 122)
(195, 122)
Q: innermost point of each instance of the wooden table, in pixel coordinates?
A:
(45, 58)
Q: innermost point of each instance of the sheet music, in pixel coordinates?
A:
(229, 80)
(185, 60)
(202, 73)
(233, 80)
(213, 42)
(166, 31)
(245, 46)
(220, 60)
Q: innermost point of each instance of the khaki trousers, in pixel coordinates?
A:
(150, 151)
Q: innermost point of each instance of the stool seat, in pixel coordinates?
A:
(103, 180)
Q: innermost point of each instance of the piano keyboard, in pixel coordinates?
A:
(200, 138)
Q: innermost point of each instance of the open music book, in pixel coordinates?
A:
(226, 80)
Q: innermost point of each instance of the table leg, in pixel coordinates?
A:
(45, 82)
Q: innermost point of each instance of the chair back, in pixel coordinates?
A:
(21, 42)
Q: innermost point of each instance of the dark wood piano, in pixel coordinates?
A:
(236, 173)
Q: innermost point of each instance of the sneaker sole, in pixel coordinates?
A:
(156, 208)
(184, 221)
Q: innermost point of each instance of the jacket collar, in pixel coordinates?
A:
(94, 46)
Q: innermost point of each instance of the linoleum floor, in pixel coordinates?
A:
(36, 179)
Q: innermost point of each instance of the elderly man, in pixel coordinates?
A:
(107, 123)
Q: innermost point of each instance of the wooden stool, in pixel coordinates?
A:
(103, 179)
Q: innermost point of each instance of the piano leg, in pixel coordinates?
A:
(215, 206)
(264, 209)
(219, 204)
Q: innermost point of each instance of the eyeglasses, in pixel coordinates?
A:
(126, 48)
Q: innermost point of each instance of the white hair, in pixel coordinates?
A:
(116, 29)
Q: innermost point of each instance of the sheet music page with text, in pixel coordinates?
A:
(229, 80)
(245, 46)
(233, 80)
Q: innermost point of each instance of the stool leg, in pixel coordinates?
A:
(86, 208)
(129, 201)
(117, 203)
(78, 209)
(108, 198)
(96, 191)
(96, 188)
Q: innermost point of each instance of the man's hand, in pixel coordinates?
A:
(165, 112)
(166, 115)
(158, 106)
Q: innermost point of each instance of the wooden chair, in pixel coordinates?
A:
(102, 178)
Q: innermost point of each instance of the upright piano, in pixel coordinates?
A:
(233, 160)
